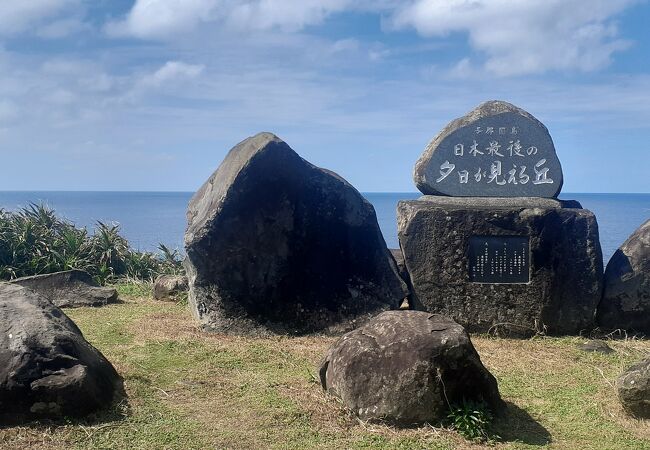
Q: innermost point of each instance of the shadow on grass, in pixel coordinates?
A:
(118, 411)
(516, 425)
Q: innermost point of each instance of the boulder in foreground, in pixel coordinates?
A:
(69, 289)
(406, 367)
(276, 244)
(626, 302)
(634, 390)
(47, 368)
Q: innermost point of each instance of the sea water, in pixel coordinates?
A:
(149, 218)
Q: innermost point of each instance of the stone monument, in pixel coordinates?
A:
(489, 244)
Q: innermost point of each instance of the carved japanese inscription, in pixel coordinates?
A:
(499, 259)
(503, 152)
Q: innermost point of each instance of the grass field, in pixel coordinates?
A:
(189, 390)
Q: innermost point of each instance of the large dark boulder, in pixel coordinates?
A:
(47, 368)
(276, 244)
(495, 150)
(69, 289)
(407, 367)
(626, 301)
(634, 390)
(561, 265)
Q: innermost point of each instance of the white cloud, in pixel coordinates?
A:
(173, 71)
(345, 45)
(285, 14)
(161, 19)
(17, 16)
(462, 69)
(524, 36)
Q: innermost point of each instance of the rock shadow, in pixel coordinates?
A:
(117, 411)
(514, 424)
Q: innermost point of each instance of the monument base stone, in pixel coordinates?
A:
(517, 265)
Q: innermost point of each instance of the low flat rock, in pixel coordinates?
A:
(406, 367)
(47, 368)
(596, 346)
(495, 150)
(277, 245)
(167, 287)
(626, 301)
(634, 390)
(561, 266)
(69, 289)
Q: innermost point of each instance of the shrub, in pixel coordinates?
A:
(34, 240)
(471, 419)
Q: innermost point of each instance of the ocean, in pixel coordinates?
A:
(150, 218)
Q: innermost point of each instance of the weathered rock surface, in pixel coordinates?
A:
(626, 301)
(634, 390)
(47, 368)
(406, 367)
(399, 260)
(168, 286)
(69, 289)
(276, 244)
(596, 346)
(496, 150)
(565, 262)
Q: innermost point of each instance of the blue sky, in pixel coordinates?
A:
(151, 94)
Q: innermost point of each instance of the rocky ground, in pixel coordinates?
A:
(189, 389)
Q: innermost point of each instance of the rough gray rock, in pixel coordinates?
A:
(565, 263)
(69, 289)
(398, 256)
(406, 367)
(634, 390)
(459, 160)
(47, 368)
(596, 346)
(275, 244)
(626, 301)
(169, 286)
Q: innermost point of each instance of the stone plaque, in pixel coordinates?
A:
(497, 150)
(499, 259)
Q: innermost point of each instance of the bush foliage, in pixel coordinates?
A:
(471, 419)
(34, 240)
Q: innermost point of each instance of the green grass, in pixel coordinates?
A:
(188, 389)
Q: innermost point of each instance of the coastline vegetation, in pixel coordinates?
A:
(34, 241)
